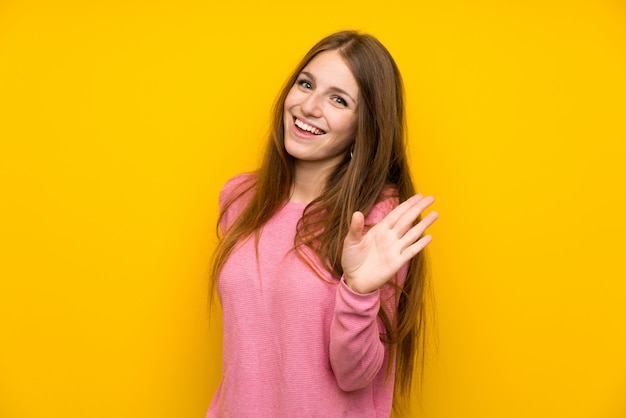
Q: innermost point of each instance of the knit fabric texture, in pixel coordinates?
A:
(297, 345)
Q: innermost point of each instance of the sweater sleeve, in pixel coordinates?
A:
(357, 353)
(233, 198)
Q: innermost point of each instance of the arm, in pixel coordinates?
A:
(369, 261)
(356, 352)
(234, 196)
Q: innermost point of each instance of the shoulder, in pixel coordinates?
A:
(235, 195)
(387, 201)
(236, 188)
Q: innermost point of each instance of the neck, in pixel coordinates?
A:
(309, 181)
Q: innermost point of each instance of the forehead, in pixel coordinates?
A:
(331, 71)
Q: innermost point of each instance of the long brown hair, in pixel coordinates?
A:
(376, 162)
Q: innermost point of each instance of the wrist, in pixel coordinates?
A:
(350, 283)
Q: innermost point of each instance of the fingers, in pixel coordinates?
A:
(356, 229)
(414, 234)
(412, 250)
(392, 217)
(407, 220)
(403, 217)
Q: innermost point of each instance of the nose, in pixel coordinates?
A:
(311, 105)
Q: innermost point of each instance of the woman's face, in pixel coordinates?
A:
(320, 112)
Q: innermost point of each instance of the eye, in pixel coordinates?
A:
(305, 84)
(340, 101)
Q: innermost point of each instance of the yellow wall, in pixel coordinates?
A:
(120, 121)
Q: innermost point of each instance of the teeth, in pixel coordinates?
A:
(308, 128)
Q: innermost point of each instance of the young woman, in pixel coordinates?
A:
(319, 270)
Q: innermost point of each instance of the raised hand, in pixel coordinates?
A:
(369, 260)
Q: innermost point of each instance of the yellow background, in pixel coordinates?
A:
(121, 120)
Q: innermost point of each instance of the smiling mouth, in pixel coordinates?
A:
(307, 128)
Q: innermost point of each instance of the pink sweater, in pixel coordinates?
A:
(295, 345)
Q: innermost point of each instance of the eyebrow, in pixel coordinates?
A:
(333, 88)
